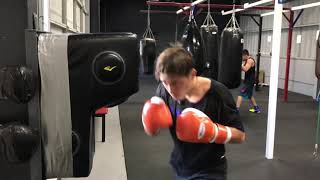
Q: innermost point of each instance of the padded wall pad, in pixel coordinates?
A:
(56, 127)
(79, 74)
(103, 70)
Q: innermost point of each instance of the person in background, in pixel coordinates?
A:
(246, 91)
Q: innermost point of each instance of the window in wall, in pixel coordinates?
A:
(69, 15)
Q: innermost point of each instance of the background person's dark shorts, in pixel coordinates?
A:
(202, 177)
(246, 91)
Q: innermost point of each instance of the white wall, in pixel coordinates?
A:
(302, 78)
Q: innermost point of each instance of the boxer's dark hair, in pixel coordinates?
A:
(245, 52)
(174, 61)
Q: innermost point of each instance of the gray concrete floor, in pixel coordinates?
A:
(148, 157)
(294, 140)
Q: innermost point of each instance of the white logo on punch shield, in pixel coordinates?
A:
(202, 130)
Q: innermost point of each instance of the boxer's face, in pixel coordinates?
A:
(244, 57)
(178, 86)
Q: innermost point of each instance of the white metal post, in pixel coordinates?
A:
(45, 15)
(274, 75)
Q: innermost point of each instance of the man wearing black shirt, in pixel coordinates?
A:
(180, 88)
(246, 91)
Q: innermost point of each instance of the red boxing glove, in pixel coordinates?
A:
(196, 127)
(155, 115)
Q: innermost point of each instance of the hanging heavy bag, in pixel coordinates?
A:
(148, 48)
(193, 43)
(318, 58)
(209, 32)
(211, 43)
(230, 56)
(148, 54)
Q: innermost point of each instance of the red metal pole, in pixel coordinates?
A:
(174, 4)
(204, 5)
(286, 82)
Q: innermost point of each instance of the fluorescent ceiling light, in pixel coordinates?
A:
(305, 6)
(267, 14)
(188, 7)
(197, 2)
(230, 12)
(246, 6)
(271, 13)
(250, 5)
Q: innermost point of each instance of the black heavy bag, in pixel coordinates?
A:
(16, 84)
(148, 54)
(230, 57)
(148, 48)
(318, 58)
(192, 42)
(17, 142)
(210, 37)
